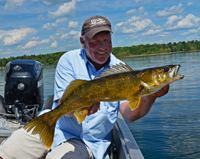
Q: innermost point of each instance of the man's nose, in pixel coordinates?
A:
(102, 45)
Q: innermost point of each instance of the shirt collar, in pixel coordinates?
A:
(83, 55)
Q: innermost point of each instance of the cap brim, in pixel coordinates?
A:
(94, 31)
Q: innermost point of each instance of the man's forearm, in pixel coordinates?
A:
(143, 108)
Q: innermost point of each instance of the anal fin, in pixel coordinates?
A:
(81, 114)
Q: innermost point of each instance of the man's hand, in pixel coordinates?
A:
(161, 92)
(144, 107)
(94, 108)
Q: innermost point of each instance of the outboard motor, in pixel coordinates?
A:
(23, 94)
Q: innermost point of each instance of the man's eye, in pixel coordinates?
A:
(95, 42)
(107, 41)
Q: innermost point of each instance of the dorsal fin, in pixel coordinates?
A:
(73, 84)
(119, 68)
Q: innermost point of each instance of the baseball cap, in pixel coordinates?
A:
(94, 25)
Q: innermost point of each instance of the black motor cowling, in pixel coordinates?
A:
(23, 88)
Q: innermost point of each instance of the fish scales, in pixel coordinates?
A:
(112, 88)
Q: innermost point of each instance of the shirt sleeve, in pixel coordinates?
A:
(63, 76)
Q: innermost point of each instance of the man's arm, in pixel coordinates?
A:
(144, 106)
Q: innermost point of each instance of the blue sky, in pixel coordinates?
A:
(47, 26)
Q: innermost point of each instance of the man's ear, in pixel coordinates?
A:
(82, 42)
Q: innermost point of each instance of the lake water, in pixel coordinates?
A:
(172, 127)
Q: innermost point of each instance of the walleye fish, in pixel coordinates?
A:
(115, 84)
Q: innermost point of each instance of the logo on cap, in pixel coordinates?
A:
(97, 21)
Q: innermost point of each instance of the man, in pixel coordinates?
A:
(91, 138)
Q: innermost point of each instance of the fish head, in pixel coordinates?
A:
(167, 74)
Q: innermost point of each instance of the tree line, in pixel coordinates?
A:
(156, 48)
(46, 59)
(52, 58)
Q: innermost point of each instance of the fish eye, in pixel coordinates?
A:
(166, 69)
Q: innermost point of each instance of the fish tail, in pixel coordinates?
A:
(42, 127)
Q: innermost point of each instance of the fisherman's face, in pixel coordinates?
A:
(98, 48)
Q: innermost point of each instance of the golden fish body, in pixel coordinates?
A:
(117, 83)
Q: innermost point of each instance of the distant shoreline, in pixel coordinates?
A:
(153, 54)
(162, 53)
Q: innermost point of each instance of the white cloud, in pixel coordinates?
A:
(143, 1)
(132, 11)
(58, 34)
(164, 34)
(120, 41)
(12, 37)
(65, 10)
(61, 20)
(192, 31)
(72, 35)
(7, 52)
(50, 26)
(73, 24)
(170, 11)
(11, 4)
(35, 38)
(171, 21)
(35, 43)
(190, 4)
(189, 21)
(133, 25)
(53, 2)
(145, 14)
(133, 19)
(175, 22)
(141, 9)
(151, 32)
(2, 33)
(45, 41)
(54, 44)
(190, 38)
(53, 26)
(66, 47)
(133, 36)
(41, 17)
(70, 45)
(30, 44)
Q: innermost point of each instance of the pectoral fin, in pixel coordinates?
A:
(134, 99)
(81, 114)
(134, 102)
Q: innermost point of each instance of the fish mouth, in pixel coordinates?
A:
(175, 74)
